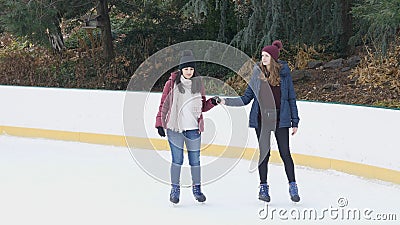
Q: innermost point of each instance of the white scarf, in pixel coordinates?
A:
(186, 108)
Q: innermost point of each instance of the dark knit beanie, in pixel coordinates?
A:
(273, 49)
(187, 60)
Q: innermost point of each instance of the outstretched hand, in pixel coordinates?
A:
(215, 100)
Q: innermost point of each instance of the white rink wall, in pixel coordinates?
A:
(357, 134)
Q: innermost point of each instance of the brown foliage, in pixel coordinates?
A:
(240, 80)
(377, 74)
(27, 65)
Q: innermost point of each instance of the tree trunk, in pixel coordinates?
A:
(223, 24)
(106, 37)
(56, 39)
(347, 26)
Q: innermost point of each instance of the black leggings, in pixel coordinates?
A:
(282, 138)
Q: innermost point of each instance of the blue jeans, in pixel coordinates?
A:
(192, 139)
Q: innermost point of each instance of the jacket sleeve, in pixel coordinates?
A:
(164, 104)
(242, 100)
(249, 92)
(207, 104)
(292, 102)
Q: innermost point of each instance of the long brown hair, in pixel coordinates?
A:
(271, 76)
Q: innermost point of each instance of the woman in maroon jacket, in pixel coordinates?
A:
(180, 112)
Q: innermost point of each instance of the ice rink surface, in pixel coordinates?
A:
(47, 182)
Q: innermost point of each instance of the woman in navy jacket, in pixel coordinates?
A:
(274, 109)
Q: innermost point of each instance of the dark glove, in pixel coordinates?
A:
(161, 131)
(215, 100)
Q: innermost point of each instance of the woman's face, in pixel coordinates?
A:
(188, 72)
(265, 58)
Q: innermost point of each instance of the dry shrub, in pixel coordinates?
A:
(237, 83)
(305, 54)
(380, 74)
(302, 58)
(240, 80)
(23, 64)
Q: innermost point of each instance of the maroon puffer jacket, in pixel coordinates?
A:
(166, 104)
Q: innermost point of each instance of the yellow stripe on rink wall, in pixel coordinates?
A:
(363, 170)
(40, 133)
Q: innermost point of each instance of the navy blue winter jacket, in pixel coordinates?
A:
(288, 111)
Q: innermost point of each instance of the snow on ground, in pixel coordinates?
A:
(55, 182)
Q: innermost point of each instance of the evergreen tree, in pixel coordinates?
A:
(308, 21)
(40, 21)
(378, 22)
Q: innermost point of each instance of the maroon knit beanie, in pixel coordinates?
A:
(273, 49)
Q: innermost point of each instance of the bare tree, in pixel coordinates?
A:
(103, 10)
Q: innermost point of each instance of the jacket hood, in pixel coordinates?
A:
(285, 68)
